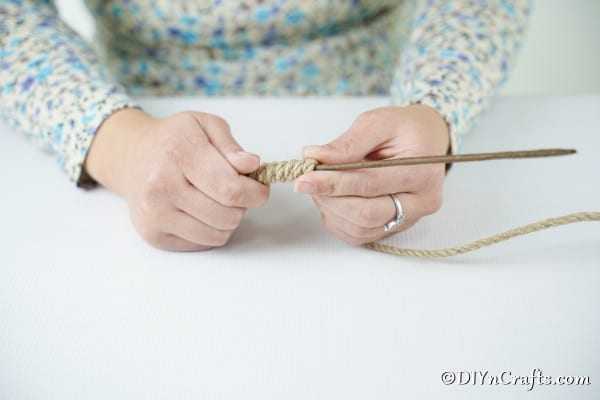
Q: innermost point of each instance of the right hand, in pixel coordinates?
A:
(182, 176)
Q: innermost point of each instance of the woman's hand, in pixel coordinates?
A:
(182, 176)
(355, 205)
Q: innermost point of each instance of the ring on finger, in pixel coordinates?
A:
(399, 219)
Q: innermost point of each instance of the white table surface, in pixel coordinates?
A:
(287, 311)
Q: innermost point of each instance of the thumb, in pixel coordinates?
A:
(353, 145)
(243, 161)
(219, 134)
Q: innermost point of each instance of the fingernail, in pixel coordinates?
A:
(245, 153)
(305, 188)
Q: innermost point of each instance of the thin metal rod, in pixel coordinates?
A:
(455, 158)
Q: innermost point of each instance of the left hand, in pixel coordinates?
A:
(355, 205)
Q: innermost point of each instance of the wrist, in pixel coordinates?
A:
(112, 149)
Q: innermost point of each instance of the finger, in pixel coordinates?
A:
(171, 242)
(219, 133)
(211, 174)
(366, 134)
(371, 182)
(366, 213)
(374, 213)
(343, 233)
(356, 235)
(203, 208)
(190, 229)
(348, 231)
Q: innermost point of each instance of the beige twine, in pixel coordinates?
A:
(283, 171)
(287, 171)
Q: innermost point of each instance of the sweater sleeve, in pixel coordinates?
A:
(458, 55)
(52, 87)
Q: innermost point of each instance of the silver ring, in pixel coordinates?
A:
(399, 219)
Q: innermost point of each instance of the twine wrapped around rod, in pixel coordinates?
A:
(287, 171)
(283, 171)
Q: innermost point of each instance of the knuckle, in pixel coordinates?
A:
(353, 241)
(216, 119)
(368, 187)
(151, 236)
(184, 118)
(181, 136)
(234, 218)
(148, 210)
(343, 234)
(357, 232)
(155, 184)
(172, 150)
(231, 195)
(328, 187)
(264, 194)
(210, 238)
(368, 117)
(435, 175)
(220, 238)
(259, 197)
(367, 216)
(434, 203)
(341, 146)
(406, 181)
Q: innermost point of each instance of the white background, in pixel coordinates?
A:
(288, 312)
(88, 311)
(93, 313)
(561, 53)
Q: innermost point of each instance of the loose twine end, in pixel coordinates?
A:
(287, 171)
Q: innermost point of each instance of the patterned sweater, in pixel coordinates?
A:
(449, 54)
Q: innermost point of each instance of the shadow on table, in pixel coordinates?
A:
(287, 220)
